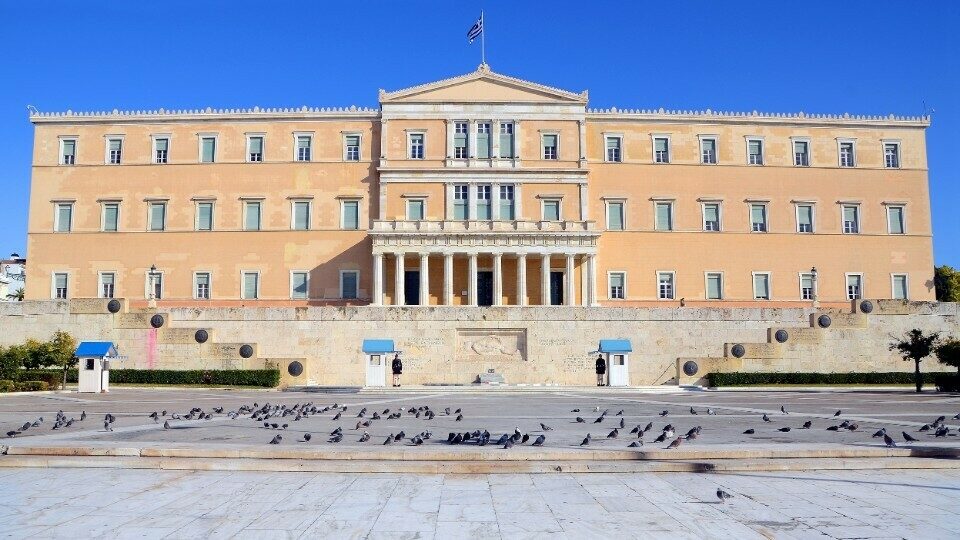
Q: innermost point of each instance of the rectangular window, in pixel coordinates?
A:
(805, 218)
(415, 209)
(661, 150)
(854, 286)
(506, 203)
(255, 149)
(891, 155)
(761, 286)
(158, 216)
(251, 215)
(107, 282)
(551, 210)
(352, 148)
(847, 158)
(851, 219)
(615, 217)
(801, 153)
(714, 286)
(895, 222)
(711, 217)
(161, 148)
(483, 202)
(208, 149)
(483, 140)
(665, 285)
(251, 285)
(351, 215)
(758, 217)
(900, 287)
(806, 286)
(708, 151)
(111, 217)
(68, 151)
(304, 145)
(64, 218)
(617, 283)
(550, 146)
(460, 147)
(506, 140)
(664, 216)
(460, 201)
(201, 285)
(60, 285)
(114, 151)
(416, 146)
(349, 280)
(204, 216)
(754, 152)
(301, 216)
(613, 149)
(299, 285)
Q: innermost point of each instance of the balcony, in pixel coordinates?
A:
(511, 237)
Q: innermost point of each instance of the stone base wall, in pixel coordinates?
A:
(454, 345)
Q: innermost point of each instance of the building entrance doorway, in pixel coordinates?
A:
(411, 288)
(556, 288)
(484, 288)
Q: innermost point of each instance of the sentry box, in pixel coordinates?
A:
(93, 369)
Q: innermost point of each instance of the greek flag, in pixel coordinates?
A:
(475, 30)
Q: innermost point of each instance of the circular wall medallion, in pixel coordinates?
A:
(824, 321)
(781, 336)
(113, 306)
(201, 336)
(866, 306)
(738, 350)
(156, 321)
(246, 351)
(295, 368)
(690, 368)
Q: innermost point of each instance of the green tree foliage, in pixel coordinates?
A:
(948, 353)
(916, 346)
(946, 282)
(36, 354)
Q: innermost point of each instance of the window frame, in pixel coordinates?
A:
(673, 219)
(543, 145)
(154, 158)
(703, 215)
(243, 284)
(623, 292)
(466, 139)
(296, 146)
(766, 216)
(53, 285)
(673, 285)
(846, 285)
(843, 227)
(543, 209)
(606, 153)
(813, 286)
(146, 284)
(899, 155)
(103, 215)
(343, 203)
(906, 285)
(106, 148)
(903, 219)
(793, 150)
(100, 283)
(753, 284)
(76, 144)
(56, 216)
(466, 202)
(716, 148)
(346, 148)
(423, 208)
(423, 144)
(306, 294)
(340, 279)
(501, 124)
(196, 284)
(813, 217)
(853, 152)
(245, 212)
(477, 190)
(623, 213)
(196, 212)
(150, 205)
(653, 148)
(706, 284)
(216, 147)
(294, 202)
(263, 146)
(512, 188)
(763, 149)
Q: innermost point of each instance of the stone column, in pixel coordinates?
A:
(398, 280)
(568, 295)
(472, 280)
(582, 125)
(424, 279)
(591, 299)
(495, 201)
(545, 279)
(522, 279)
(377, 279)
(497, 279)
(448, 279)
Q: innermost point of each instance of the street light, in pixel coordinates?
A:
(813, 284)
(153, 286)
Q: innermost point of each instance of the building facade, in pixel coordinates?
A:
(479, 190)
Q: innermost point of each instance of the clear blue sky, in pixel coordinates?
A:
(862, 57)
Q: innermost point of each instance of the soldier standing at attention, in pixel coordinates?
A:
(601, 369)
(397, 370)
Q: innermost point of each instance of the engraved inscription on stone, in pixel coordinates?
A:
(491, 344)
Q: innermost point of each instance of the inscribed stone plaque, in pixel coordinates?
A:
(493, 344)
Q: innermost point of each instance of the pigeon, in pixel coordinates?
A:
(783, 410)
(598, 420)
(337, 417)
(661, 438)
(580, 420)
(545, 427)
(648, 427)
(845, 424)
(306, 437)
(749, 432)
(106, 426)
(693, 411)
(12, 433)
(853, 427)
(942, 431)
(613, 434)
(635, 444)
(676, 442)
(83, 415)
(539, 441)
(664, 412)
(836, 414)
(784, 429)
(925, 427)
(526, 437)
(459, 417)
(907, 437)
(887, 440)
(833, 428)
(806, 425)
(276, 439)
(711, 412)
(389, 440)
(155, 416)
(575, 410)
(880, 433)
(166, 424)
(619, 413)
(507, 445)
(25, 426)
(365, 437)
(723, 495)
(766, 418)
(940, 419)
(622, 424)
(586, 441)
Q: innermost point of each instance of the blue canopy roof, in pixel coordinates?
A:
(378, 346)
(615, 346)
(96, 348)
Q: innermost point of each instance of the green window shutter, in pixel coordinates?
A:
(711, 212)
(709, 145)
(162, 144)
(506, 145)
(550, 140)
(805, 215)
(64, 217)
(900, 287)
(205, 216)
(301, 215)
(61, 281)
(110, 217)
(758, 213)
(850, 213)
(506, 209)
(299, 285)
(664, 217)
(551, 210)
(303, 142)
(203, 279)
(351, 215)
(754, 147)
(115, 144)
(761, 286)
(613, 142)
(483, 145)
(415, 210)
(896, 219)
(208, 149)
(252, 218)
(250, 286)
(157, 216)
(615, 216)
(806, 281)
(256, 145)
(713, 286)
(349, 284)
(661, 145)
(69, 148)
(616, 280)
(353, 140)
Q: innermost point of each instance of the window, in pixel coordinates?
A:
(617, 281)
(300, 216)
(664, 216)
(201, 285)
(114, 151)
(847, 157)
(350, 213)
(551, 210)
(251, 215)
(349, 280)
(506, 202)
(299, 285)
(111, 217)
(506, 139)
(615, 216)
(68, 151)
(157, 282)
(711, 216)
(758, 217)
(161, 148)
(415, 209)
(60, 285)
(900, 291)
(107, 283)
(755, 151)
(761, 286)
(806, 287)
(891, 155)
(460, 147)
(204, 216)
(460, 201)
(665, 286)
(483, 202)
(708, 151)
(854, 286)
(805, 218)
(63, 220)
(895, 222)
(158, 216)
(304, 145)
(801, 153)
(255, 148)
(351, 151)
(416, 146)
(208, 149)
(851, 219)
(549, 142)
(661, 150)
(614, 153)
(251, 285)
(483, 140)
(714, 285)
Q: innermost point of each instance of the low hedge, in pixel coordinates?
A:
(947, 382)
(53, 378)
(7, 386)
(265, 378)
(30, 386)
(748, 379)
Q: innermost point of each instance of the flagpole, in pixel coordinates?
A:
(483, 45)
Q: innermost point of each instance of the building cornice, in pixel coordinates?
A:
(754, 117)
(209, 114)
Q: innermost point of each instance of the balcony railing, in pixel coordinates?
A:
(472, 226)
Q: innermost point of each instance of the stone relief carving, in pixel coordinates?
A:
(491, 344)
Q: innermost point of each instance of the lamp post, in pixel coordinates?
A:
(152, 303)
(813, 285)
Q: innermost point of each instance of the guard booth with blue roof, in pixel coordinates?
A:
(93, 365)
(377, 354)
(617, 355)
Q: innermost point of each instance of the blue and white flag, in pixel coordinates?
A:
(475, 30)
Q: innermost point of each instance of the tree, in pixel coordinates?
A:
(916, 346)
(948, 353)
(16, 295)
(946, 283)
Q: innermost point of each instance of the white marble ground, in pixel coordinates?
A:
(115, 503)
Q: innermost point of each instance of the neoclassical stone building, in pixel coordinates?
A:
(481, 189)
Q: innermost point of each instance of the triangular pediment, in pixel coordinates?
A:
(483, 86)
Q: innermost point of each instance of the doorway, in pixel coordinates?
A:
(484, 288)
(411, 288)
(376, 370)
(556, 288)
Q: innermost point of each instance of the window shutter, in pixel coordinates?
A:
(250, 286)
(300, 285)
(616, 280)
(256, 145)
(114, 144)
(204, 216)
(550, 140)
(110, 214)
(351, 215)
(61, 281)
(506, 145)
(301, 215)
(713, 286)
(755, 147)
(157, 212)
(252, 219)
(613, 142)
(483, 145)
(711, 212)
(900, 287)
(709, 145)
(664, 219)
(106, 279)
(162, 144)
(806, 281)
(349, 284)
(805, 215)
(896, 219)
(760, 286)
(850, 213)
(69, 148)
(207, 146)
(303, 142)
(661, 145)
(758, 213)
(615, 211)
(65, 212)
